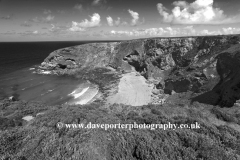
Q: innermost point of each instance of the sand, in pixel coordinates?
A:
(132, 90)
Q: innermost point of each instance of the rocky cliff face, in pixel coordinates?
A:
(204, 65)
(87, 55)
(227, 90)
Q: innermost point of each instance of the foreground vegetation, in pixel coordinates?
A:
(217, 139)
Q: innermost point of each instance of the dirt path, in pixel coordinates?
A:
(132, 90)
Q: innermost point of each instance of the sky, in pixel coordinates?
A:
(79, 20)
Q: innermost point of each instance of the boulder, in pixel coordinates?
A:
(12, 98)
(156, 91)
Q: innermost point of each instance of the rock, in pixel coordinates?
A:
(12, 98)
(184, 84)
(238, 101)
(186, 64)
(227, 91)
(28, 118)
(237, 104)
(173, 92)
(41, 113)
(156, 91)
(87, 55)
(153, 57)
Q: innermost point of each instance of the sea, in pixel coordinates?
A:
(18, 60)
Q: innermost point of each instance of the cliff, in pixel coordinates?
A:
(205, 66)
(178, 71)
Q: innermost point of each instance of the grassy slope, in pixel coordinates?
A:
(217, 139)
(40, 139)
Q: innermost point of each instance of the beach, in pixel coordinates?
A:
(132, 90)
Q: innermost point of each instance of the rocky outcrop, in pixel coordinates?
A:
(227, 91)
(87, 55)
(196, 64)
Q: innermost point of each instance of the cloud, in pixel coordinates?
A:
(61, 11)
(7, 17)
(110, 21)
(162, 11)
(36, 20)
(231, 30)
(35, 32)
(173, 32)
(135, 17)
(13, 32)
(26, 24)
(124, 23)
(47, 19)
(31, 33)
(76, 28)
(101, 4)
(151, 32)
(47, 11)
(78, 7)
(94, 22)
(206, 32)
(53, 28)
(198, 12)
(165, 32)
(58, 29)
(98, 2)
(118, 21)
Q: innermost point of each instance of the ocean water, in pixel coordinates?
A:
(17, 64)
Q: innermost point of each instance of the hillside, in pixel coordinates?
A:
(188, 80)
(208, 65)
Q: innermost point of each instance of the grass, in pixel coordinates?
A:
(41, 139)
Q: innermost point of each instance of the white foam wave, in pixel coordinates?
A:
(88, 98)
(72, 93)
(44, 72)
(77, 95)
(50, 90)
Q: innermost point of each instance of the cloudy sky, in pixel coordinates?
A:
(64, 20)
